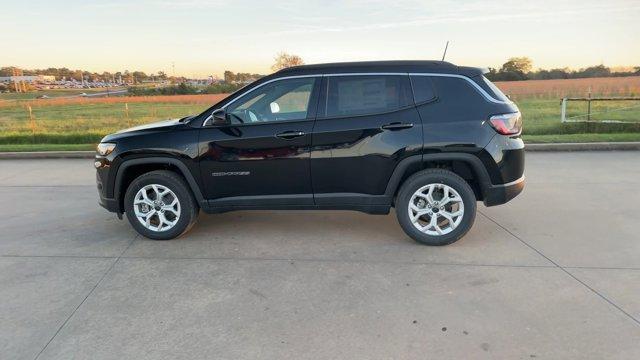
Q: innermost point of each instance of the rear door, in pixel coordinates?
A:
(262, 157)
(366, 125)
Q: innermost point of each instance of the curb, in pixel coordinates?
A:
(48, 155)
(597, 146)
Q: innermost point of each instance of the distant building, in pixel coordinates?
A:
(28, 78)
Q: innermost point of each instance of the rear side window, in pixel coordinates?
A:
(458, 100)
(491, 88)
(423, 90)
(366, 94)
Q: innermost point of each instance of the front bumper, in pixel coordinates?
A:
(102, 177)
(109, 204)
(500, 194)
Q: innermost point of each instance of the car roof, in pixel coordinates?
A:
(402, 66)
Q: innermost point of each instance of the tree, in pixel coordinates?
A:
(515, 68)
(284, 60)
(6, 71)
(139, 76)
(517, 64)
(593, 71)
(229, 76)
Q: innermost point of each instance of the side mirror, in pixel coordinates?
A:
(220, 117)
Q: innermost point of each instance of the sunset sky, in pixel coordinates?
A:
(204, 37)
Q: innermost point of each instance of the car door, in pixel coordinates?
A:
(366, 125)
(261, 156)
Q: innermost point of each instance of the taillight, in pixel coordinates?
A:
(507, 124)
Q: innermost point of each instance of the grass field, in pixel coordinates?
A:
(53, 93)
(557, 89)
(86, 120)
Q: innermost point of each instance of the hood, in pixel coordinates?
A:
(154, 125)
(159, 125)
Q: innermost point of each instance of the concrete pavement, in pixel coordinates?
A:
(553, 274)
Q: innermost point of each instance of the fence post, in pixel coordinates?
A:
(563, 110)
(126, 113)
(589, 106)
(32, 123)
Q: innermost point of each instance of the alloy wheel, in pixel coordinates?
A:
(436, 209)
(156, 207)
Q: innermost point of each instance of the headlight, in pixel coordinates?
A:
(105, 149)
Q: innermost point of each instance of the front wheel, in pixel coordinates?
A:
(436, 207)
(159, 205)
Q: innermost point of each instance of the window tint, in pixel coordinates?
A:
(367, 94)
(422, 89)
(280, 100)
(492, 89)
(458, 100)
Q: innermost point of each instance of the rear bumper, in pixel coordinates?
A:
(500, 194)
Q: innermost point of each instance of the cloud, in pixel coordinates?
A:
(469, 13)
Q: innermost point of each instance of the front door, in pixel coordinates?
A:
(261, 158)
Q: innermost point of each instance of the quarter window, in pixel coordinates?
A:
(280, 100)
(366, 94)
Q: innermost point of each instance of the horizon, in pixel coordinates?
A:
(205, 37)
(614, 69)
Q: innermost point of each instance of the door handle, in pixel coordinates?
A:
(396, 126)
(288, 135)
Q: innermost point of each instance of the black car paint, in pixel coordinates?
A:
(337, 163)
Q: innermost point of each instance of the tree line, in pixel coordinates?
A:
(521, 68)
(79, 75)
(281, 60)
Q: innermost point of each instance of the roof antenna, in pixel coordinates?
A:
(445, 50)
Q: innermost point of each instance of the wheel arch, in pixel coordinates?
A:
(132, 168)
(467, 166)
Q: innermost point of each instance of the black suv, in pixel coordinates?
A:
(426, 137)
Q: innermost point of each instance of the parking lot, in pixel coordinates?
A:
(553, 274)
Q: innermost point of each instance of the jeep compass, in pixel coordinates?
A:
(427, 138)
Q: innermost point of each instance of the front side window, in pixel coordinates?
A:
(366, 94)
(280, 100)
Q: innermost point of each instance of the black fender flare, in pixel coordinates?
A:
(419, 160)
(191, 181)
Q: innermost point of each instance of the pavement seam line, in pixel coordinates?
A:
(565, 270)
(135, 257)
(113, 264)
(335, 260)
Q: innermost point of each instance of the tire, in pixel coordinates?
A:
(440, 181)
(171, 186)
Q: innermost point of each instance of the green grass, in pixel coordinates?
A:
(45, 147)
(576, 138)
(542, 117)
(82, 123)
(87, 123)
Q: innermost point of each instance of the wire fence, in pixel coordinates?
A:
(601, 110)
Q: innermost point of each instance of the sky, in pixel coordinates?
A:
(207, 37)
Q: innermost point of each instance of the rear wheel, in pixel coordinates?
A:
(436, 207)
(159, 205)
